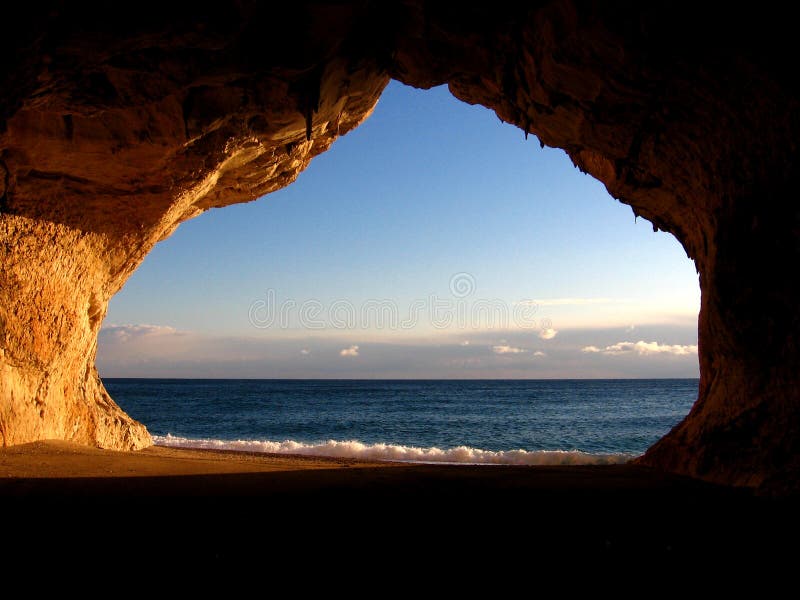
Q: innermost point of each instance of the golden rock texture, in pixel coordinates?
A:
(115, 128)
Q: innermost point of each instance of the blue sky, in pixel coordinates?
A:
(431, 208)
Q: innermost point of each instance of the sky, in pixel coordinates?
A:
(434, 241)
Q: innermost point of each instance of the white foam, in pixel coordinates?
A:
(393, 452)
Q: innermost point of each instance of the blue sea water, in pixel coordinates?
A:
(490, 421)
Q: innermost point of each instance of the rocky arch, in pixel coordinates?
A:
(115, 128)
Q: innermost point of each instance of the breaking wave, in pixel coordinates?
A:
(393, 452)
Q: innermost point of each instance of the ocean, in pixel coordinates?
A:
(489, 421)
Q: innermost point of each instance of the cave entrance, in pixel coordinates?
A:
(432, 243)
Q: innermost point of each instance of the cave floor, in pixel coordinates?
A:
(217, 506)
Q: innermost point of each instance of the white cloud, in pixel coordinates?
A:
(642, 348)
(465, 343)
(539, 353)
(351, 351)
(548, 334)
(507, 350)
(305, 352)
(161, 351)
(125, 333)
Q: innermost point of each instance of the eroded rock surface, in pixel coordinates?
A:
(116, 128)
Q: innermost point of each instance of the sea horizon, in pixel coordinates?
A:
(403, 378)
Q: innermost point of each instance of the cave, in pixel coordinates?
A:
(116, 127)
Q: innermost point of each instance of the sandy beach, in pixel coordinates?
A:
(66, 470)
(217, 505)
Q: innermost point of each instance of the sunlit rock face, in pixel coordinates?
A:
(115, 128)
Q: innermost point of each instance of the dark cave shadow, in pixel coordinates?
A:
(609, 511)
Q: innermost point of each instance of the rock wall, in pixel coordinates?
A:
(116, 128)
(126, 126)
